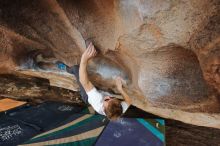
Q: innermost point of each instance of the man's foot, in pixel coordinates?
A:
(58, 66)
(61, 66)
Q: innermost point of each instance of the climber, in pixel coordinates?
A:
(112, 107)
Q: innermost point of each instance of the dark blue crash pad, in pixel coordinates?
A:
(19, 125)
(133, 132)
(46, 115)
(13, 132)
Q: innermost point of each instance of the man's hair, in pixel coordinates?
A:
(114, 109)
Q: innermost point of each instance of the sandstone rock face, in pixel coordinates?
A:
(168, 52)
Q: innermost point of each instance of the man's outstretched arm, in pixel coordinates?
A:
(89, 53)
(127, 99)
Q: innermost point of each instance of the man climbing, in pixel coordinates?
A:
(109, 106)
(112, 107)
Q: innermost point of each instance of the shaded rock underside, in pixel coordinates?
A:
(167, 51)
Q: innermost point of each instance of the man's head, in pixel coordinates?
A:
(112, 107)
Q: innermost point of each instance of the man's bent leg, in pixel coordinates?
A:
(75, 70)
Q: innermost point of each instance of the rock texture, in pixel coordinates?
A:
(35, 90)
(167, 51)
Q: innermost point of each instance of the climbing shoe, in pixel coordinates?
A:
(61, 65)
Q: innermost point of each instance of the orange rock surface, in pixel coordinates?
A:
(167, 51)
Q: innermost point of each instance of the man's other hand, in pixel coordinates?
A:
(89, 53)
(118, 83)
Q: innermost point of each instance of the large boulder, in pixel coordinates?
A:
(166, 51)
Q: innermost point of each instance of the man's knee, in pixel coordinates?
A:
(76, 69)
(76, 66)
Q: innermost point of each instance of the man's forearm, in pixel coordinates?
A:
(83, 76)
(126, 97)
